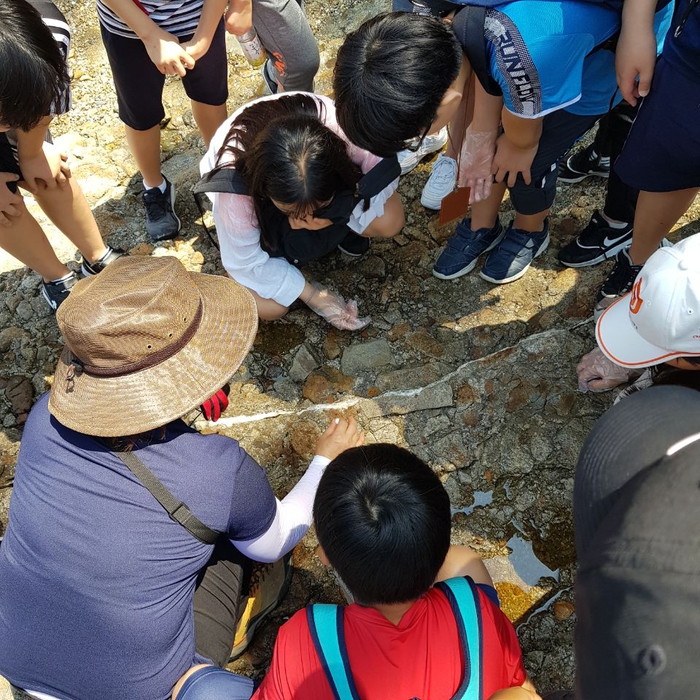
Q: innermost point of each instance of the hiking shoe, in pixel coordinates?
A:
(597, 242)
(409, 159)
(620, 281)
(57, 292)
(464, 248)
(354, 245)
(270, 82)
(441, 182)
(583, 164)
(110, 255)
(269, 583)
(514, 255)
(161, 221)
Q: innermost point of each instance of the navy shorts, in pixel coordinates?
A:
(139, 84)
(662, 152)
(560, 131)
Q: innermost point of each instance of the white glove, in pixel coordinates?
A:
(475, 161)
(597, 373)
(338, 312)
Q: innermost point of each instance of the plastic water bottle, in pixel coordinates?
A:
(252, 48)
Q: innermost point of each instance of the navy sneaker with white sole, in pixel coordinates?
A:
(512, 258)
(464, 248)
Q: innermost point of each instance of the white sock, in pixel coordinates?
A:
(62, 279)
(103, 256)
(617, 225)
(161, 187)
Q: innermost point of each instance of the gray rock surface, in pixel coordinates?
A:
(478, 380)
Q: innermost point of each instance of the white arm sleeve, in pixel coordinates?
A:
(292, 518)
(242, 256)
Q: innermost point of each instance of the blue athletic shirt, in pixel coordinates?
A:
(96, 581)
(540, 55)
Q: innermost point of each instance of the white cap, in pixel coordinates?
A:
(660, 318)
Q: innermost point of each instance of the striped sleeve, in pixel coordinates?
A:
(53, 18)
(179, 17)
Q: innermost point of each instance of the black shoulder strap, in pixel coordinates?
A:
(468, 25)
(224, 180)
(177, 510)
(379, 177)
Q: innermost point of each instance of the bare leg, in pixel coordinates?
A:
(485, 213)
(71, 214)
(145, 147)
(390, 222)
(25, 240)
(268, 309)
(656, 214)
(532, 223)
(209, 118)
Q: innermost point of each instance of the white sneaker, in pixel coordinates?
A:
(409, 159)
(441, 182)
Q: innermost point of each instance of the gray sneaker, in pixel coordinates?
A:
(161, 221)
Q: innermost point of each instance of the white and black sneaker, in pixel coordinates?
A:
(597, 242)
(161, 221)
(57, 292)
(582, 164)
(109, 256)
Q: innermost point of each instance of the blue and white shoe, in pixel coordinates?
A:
(464, 249)
(514, 255)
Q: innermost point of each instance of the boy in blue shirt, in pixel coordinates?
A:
(545, 75)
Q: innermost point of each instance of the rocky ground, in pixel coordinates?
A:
(476, 379)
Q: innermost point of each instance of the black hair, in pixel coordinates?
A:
(390, 77)
(33, 71)
(383, 519)
(664, 375)
(283, 151)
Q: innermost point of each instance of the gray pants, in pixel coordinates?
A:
(285, 33)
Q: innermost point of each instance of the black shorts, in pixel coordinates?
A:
(662, 151)
(8, 158)
(560, 131)
(139, 84)
(8, 161)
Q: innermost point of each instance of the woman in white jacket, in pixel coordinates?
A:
(301, 175)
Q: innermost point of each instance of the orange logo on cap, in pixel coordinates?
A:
(636, 301)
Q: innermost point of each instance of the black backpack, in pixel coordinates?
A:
(302, 246)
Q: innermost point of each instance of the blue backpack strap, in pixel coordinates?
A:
(463, 597)
(328, 635)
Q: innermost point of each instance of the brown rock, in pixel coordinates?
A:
(141, 249)
(466, 394)
(398, 332)
(19, 392)
(324, 385)
(424, 343)
(304, 436)
(563, 610)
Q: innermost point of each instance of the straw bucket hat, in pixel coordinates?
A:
(146, 342)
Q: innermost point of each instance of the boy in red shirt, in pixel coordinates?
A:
(383, 522)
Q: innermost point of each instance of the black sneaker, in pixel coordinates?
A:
(56, 293)
(270, 82)
(620, 281)
(353, 245)
(597, 242)
(583, 164)
(161, 221)
(110, 255)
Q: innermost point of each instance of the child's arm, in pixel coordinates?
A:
(524, 692)
(212, 12)
(464, 561)
(239, 17)
(636, 49)
(479, 146)
(516, 147)
(163, 48)
(39, 160)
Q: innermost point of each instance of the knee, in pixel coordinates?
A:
(270, 311)
(391, 222)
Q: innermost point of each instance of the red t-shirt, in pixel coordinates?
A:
(421, 657)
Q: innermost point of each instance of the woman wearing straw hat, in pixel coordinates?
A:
(110, 586)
